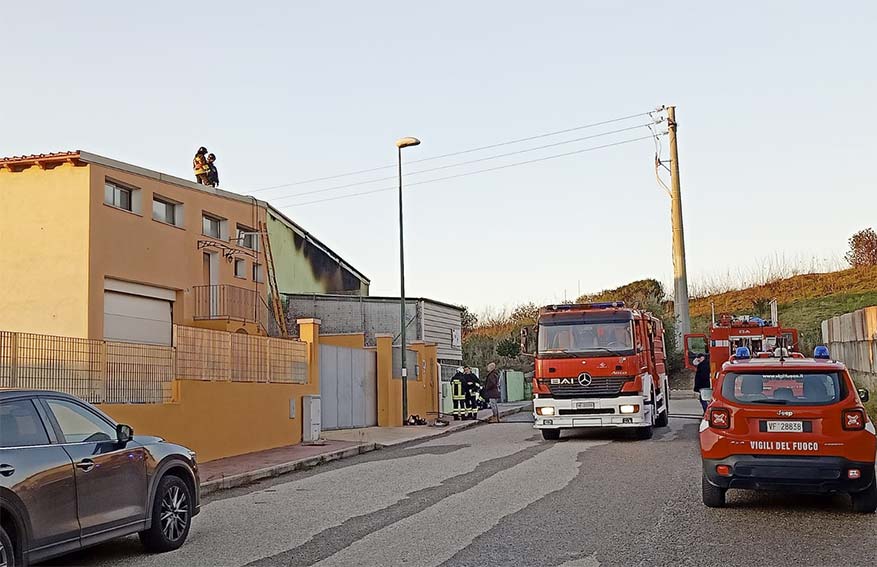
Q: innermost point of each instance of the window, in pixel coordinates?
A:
(247, 237)
(21, 425)
(257, 273)
(240, 268)
(164, 210)
(117, 196)
(211, 226)
(78, 424)
(609, 338)
(779, 388)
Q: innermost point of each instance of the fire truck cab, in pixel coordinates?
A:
(728, 333)
(598, 365)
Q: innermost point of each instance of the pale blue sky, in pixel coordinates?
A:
(775, 105)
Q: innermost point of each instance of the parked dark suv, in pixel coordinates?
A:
(70, 477)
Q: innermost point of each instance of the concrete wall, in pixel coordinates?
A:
(852, 339)
(44, 228)
(223, 419)
(301, 266)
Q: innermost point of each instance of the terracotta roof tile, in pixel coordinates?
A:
(35, 157)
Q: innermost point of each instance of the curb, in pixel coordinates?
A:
(682, 395)
(241, 479)
(454, 428)
(235, 480)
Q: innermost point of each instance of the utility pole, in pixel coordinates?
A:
(680, 272)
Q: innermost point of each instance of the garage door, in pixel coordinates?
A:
(138, 319)
(348, 387)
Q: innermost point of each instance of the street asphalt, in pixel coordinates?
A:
(499, 495)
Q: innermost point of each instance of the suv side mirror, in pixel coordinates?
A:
(706, 394)
(124, 433)
(864, 395)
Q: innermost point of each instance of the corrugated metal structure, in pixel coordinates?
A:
(428, 320)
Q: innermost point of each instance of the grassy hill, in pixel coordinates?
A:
(804, 301)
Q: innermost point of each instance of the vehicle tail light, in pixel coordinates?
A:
(853, 420)
(723, 470)
(854, 474)
(720, 418)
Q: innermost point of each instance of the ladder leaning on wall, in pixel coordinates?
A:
(276, 305)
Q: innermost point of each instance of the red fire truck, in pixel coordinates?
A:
(729, 332)
(598, 365)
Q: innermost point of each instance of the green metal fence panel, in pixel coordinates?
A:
(514, 383)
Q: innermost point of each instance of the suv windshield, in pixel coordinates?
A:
(810, 389)
(586, 339)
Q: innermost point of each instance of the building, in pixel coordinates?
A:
(96, 248)
(308, 265)
(430, 321)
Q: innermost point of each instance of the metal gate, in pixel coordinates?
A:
(348, 387)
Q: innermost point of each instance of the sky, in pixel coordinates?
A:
(775, 106)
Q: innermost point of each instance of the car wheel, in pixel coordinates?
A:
(7, 553)
(713, 496)
(171, 516)
(865, 502)
(551, 434)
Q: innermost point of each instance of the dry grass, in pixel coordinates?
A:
(788, 290)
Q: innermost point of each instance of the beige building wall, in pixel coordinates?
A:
(133, 247)
(44, 235)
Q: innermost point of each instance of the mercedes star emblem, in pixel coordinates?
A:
(584, 379)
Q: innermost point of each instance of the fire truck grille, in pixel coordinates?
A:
(599, 387)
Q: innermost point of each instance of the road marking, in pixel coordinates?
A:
(480, 508)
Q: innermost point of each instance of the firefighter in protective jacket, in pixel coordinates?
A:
(471, 387)
(458, 396)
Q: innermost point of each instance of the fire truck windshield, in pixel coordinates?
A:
(586, 339)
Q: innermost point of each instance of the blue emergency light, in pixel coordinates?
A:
(821, 353)
(742, 353)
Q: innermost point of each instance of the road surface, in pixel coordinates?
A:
(499, 495)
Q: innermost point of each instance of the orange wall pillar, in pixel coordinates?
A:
(309, 332)
(389, 388)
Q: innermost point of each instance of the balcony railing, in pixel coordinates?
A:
(231, 303)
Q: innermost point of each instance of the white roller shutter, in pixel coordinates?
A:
(138, 319)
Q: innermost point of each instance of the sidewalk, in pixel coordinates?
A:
(231, 472)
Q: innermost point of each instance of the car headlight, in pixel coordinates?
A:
(545, 410)
(192, 455)
(628, 408)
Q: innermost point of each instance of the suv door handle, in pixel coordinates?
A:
(7, 470)
(85, 465)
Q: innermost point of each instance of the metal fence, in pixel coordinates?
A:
(118, 372)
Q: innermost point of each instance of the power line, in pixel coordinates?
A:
(460, 164)
(555, 156)
(461, 152)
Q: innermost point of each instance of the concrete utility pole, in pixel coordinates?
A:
(680, 272)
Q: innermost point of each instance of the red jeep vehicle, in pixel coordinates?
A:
(787, 424)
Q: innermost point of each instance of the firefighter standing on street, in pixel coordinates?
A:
(458, 397)
(470, 389)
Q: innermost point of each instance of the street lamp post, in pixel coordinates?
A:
(403, 143)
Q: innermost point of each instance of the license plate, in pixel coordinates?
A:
(584, 405)
(785, 426)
